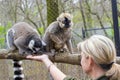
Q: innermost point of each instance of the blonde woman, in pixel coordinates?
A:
(98, 56)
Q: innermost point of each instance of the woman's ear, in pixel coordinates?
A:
(90, 61)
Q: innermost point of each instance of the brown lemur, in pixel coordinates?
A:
(58, 34)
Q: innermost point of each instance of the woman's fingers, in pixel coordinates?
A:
(41, 57)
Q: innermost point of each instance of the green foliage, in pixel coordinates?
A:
(77, 17)
(35, 11)
(119, 21)
(9, 24)
(110, 33)
(2, 38)
(2, 30)
(41, 29)
(2, 41)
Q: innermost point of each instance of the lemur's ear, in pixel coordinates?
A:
(31, 44)
(58, 19)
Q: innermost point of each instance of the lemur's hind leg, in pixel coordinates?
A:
(10, 40)
(20, 46)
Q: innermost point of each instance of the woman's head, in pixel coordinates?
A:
(100, 48)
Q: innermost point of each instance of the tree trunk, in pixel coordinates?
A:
(52, 11)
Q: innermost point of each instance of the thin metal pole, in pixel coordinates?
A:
(115, 26)
(83, 33)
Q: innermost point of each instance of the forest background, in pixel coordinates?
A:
(89, 16)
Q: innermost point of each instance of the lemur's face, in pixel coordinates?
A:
(65, 20)
(36, 45)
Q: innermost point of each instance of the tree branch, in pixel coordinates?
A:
(59, 58)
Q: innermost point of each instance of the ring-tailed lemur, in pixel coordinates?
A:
(26, 40)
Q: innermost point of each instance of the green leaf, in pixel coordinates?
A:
(2, 42)
(1, 30)
(77, 17)
(9, 24)
(110, 33)
(41, 29)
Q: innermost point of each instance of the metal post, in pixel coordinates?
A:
(115, 26)
(83, 33)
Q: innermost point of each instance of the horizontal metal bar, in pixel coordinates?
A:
(98, 28)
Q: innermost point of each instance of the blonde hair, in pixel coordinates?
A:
(102, 50)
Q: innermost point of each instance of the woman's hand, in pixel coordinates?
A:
(54, 71)
(38, 57)
(44, 58)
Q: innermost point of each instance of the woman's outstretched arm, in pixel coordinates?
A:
(54, 71)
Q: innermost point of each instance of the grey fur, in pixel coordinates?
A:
(57, 35)
(21, 34)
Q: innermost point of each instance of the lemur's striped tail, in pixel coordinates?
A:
(18, 75)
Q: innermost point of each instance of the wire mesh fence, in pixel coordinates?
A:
(40, 13)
